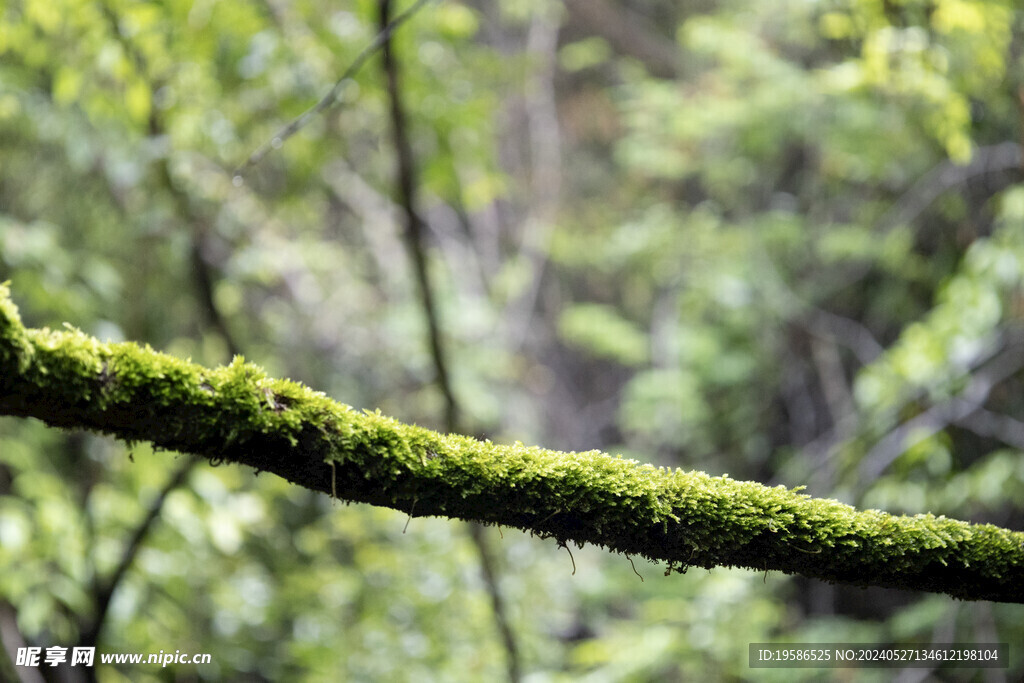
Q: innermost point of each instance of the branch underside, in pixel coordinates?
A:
(237, 414)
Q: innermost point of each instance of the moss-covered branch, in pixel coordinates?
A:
(238, 414)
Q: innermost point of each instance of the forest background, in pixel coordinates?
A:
(779, 240)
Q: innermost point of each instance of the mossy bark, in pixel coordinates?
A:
(238, 414)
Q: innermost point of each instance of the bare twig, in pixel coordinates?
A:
(846, 331)
(489, 569)
(331, 98)
(104, 591)
(1003, 161)
(414, 224)
(832, 378)
(941, 415)
(1004, 428)
(1002, 158)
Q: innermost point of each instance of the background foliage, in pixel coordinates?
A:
(783, 241)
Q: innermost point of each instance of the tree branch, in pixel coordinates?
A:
(331, 98)
(490, 575)
(1004, 157)
(104, 590)
(941, 415)
(238, 414)
(414, 226)
(414, 229)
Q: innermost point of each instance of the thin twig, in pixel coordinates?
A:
(489, 569)
(414, 223)
(958, 408)
(331, 98)
(105, 591)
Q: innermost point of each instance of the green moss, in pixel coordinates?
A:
(236, 413)
(16, 351)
